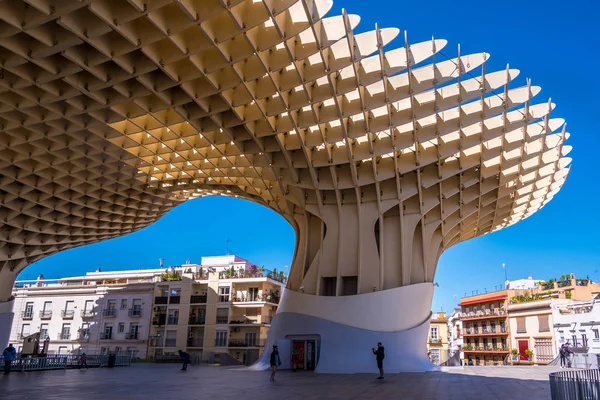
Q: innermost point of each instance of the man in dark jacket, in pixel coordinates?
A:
(9, 355)
(185, 357)
(380, 355)
(275, 362)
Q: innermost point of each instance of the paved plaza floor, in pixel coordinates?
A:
(165, 381)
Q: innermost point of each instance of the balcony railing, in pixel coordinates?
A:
(159, 319)
(135, 312)
(172, 320)
(106, 336)
(435, 340)
(245, 343)
(270, 298)
(222, 320)
(110, 312)
(485, 348)
(83, 334)
(564, 283)
(64, 336)
(485, 331)
(45, 314)
(67, 314)
(174, 299)
(198, 299)
(196, 321)
(484, 314)
(161, 300)
(170, 342)
(27, 314)
(131, 335)
(87, 313)
(195, 342)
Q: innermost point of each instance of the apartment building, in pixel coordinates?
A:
(218, 309)
(437, 343)
(100, 312)
(486, 330)
(455, 334)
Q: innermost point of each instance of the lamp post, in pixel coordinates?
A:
(505, 275)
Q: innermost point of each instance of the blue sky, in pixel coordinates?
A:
(555, 43)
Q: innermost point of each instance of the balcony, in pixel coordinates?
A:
(106, 336)
(198, 299)
(45, 314)
(264, 298)
(196, 321)
(27, 315)
(474, 315)
(64, 336)
(159, 319)
(83, 335)
(222, 320)
(485, 349)
(172, 320)
(136, 312)
(485, 331)
(87, 314)
(110, 312)
(170, 342)
(67, 314)
(244, 343)
(435, 340)
(195, 342)
(263, 320)
(161, 300)
(131, 335)
(174, 299)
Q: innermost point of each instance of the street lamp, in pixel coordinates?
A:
(505, 275)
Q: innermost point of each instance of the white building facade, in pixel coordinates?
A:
(98, 313)
(578, 323)
(455, 333)
(523, 284)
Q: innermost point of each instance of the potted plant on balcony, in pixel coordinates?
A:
(529, 354)
(515, 354)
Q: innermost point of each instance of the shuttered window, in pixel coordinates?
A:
(521, 328)
(543, 321)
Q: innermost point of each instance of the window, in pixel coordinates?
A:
(543, 350)
(160, 338)
(584, 341)
(434, 356)
(47, 306)
(62, 350)
(43, 331)
(521, 327)
(250, 339)
(121, 327)
(176, 292)
(349, 285)
(111, 304)
(222, 315)
(66, 332)
(434, 332)
(223, 294)
(574, 338)
(69, 310)
(28, 314)
(107, 331)
(104, 351)
(85, 331)
(173, 317)
(117, 350)
(253, 294)
(543, 323)
(221, 339)
(596, 333)
(328, 286)
(171, 339)
(123, 304)
(25, 330)
(133, 330)
(89, 305)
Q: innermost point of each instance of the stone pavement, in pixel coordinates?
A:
(165, 381)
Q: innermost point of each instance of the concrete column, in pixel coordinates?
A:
(7, 281)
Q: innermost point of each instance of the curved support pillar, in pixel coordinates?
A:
(347, 327)
(6, 320)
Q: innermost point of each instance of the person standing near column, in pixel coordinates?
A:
(380, 355)
(9, 355)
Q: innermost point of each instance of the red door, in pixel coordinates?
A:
(523, 345)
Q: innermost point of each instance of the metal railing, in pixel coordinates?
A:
(174, 299)
(64, 361)
(110, 312)
(87, 313)
(67, 314)
(131, 335)
(136, 311)
(45, 314)
(197, 321)
(571, 385)
(198, 299)
(161, 300)
(27, 314)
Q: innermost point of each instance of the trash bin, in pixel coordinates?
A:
(112, 360)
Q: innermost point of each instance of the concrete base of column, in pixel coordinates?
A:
(6, 320)
(346, 328)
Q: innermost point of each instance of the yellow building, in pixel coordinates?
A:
(220, 311)
(437, 343)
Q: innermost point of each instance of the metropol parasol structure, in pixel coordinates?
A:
(112, 112)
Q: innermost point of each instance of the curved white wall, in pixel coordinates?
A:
(349, 326)
(383, 311)
(6, 320)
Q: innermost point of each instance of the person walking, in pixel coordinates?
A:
(275, 362)
(380, 355)
(185, 357)
(568, 353)
(9, 355)
(83, 361)
(563, 356)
